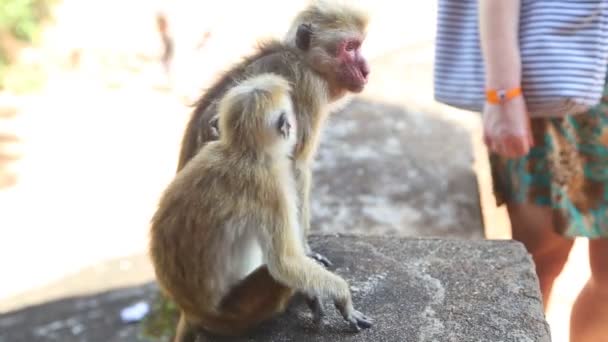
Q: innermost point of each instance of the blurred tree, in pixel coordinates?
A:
(20, 24)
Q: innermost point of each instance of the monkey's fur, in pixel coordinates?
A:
(320, 57)
(225, 241)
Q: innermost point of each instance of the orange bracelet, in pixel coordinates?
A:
(501, 96)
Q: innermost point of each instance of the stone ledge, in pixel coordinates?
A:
(424, 290)
(414, 289)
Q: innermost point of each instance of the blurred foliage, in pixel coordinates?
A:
(160, 323)
(20, 78)
(22, 18)
(20, 24)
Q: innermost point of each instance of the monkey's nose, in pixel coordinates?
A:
(364, 68)
(365, 72)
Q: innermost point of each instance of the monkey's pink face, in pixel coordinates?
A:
(352, 66)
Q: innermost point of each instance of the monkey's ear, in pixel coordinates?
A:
(214, 126)
(303, 36)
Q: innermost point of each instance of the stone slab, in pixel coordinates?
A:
(384, 169)
(414, 289)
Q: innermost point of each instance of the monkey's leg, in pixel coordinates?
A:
(316, 307)
(304, 177)
(255, 299)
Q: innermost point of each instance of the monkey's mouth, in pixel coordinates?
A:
(360, 78)
(353, 79)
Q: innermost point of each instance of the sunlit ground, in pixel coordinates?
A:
(98, 143)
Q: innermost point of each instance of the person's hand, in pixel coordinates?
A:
(506, 128)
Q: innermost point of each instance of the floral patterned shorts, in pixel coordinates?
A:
(567, 170)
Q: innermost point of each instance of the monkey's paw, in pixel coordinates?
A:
(321, 259)
(356, 319)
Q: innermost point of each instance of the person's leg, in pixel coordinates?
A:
(533, 226)
(589, 320)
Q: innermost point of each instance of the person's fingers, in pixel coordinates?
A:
(494, 146)
(490, 141)
(508, 144)
(512, 145)
(502, 145)
(520, 145)
(529, 135)
(486, 139)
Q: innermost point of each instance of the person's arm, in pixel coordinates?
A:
(506, 125)
(498, 30)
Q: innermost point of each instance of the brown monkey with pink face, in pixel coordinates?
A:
(321, 61)
(225, 240)
(321, 58)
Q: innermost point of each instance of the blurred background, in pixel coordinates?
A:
(94, 96)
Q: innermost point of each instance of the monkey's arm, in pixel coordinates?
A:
(288, 264)
(304, 177)
(304, 183)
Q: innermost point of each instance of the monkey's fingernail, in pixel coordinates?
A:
(365, 324)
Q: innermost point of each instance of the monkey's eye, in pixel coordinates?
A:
(351, 46)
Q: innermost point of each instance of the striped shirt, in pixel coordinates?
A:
(563, 46)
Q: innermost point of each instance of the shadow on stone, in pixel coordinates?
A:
(83, 318)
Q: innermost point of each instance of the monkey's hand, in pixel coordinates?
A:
(321, 259)
(356, 319)
(316, 307)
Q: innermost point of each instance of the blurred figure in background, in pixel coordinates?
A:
(167, 40)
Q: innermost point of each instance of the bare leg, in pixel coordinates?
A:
(589, 320)
(533, 226)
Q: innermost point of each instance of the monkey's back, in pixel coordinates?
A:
(208, 204)
(271, 57)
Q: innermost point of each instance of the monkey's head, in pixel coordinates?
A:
(257, 115)
(330, 35)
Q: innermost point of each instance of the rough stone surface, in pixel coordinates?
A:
(383, 169)
(414, 289)
(92, 318)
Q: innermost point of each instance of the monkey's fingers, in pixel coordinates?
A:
(320, 259)
(363, 321)
(316, 306)
(358, 321)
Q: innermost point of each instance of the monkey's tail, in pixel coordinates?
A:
(185, 332)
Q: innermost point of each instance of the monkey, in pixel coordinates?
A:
(225, 241)
(321, 57)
